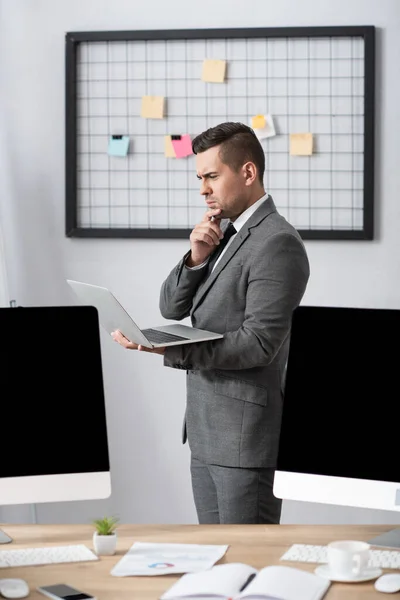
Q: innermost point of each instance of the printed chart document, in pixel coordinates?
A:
(165, 559)
(236, 581)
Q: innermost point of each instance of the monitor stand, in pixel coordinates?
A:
(390, 539)
(4, 538)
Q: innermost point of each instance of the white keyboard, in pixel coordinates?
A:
(25, 557)
(385, 559)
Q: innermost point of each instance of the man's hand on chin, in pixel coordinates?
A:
(119, 337)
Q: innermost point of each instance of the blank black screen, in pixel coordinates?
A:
(342, 394)
(53, 418)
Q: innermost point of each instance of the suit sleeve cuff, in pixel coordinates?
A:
(174, 358)
(198, 266)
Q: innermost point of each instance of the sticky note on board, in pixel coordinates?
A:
(168, 147)
(182, 145)
(118, 145)
(268, 130)
(258, 122)
(152, 107)
(213, 70)
(301, 144)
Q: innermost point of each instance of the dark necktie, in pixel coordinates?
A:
(229, 232)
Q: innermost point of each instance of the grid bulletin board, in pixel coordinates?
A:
(310, 79)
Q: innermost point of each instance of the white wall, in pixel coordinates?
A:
(4, 203)
(145, 401)
(4, 300)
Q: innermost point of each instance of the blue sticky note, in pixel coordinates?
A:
(118, 145)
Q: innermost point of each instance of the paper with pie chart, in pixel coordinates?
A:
(163, 559)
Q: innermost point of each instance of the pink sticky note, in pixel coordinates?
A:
(182, 147)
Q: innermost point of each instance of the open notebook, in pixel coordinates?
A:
(236, 580)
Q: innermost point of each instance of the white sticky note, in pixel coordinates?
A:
(268, 130)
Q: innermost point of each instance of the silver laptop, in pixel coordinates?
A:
(113, 316)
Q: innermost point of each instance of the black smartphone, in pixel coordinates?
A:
(61, 591)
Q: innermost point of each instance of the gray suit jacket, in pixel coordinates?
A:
(234, 385)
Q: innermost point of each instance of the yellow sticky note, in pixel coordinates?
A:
(168, 147)
(152, 107)
(213, 70)
(301, 144)
(258, 122)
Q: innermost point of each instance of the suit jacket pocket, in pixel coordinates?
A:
(241, 390)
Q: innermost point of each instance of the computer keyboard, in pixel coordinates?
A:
(25, 557)
(385, 559)
(158, 337)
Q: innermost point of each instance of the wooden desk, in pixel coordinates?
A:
(256, 545)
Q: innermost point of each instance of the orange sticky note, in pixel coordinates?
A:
(258, 122)
(268, 128)
(168, 147)
(213, 70)
(301, 144)
(152, 107)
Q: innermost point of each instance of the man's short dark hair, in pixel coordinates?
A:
(238, 142)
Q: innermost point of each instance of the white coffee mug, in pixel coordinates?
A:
(348, 558)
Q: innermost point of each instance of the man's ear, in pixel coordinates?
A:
(249, 173)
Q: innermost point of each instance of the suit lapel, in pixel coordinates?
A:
(261, 213)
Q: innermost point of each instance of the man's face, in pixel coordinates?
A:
(221, 187)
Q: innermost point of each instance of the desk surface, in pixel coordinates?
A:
(256, 545)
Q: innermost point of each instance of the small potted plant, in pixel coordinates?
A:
(105, 536)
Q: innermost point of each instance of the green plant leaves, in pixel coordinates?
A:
(106, 525)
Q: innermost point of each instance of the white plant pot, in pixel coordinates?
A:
(105, 544)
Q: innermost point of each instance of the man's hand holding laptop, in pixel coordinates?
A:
(119, 337)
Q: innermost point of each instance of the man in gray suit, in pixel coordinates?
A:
(246, 271)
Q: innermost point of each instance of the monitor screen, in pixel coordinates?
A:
(53, 425)
(339, 441)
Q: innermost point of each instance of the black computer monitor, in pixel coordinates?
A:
(53, 416)
(339, 441)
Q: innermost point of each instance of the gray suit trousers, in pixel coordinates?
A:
(231, 495)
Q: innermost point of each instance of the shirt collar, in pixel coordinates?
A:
(241, 220)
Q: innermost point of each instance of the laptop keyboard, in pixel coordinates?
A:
(159, 337)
